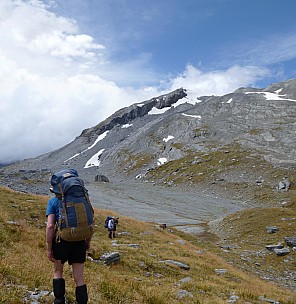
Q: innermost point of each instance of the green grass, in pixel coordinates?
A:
(140, 277)
(248, 230)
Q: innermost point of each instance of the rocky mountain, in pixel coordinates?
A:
(226, 142)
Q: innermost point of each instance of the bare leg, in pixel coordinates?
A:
(78, 269)
(58, 269)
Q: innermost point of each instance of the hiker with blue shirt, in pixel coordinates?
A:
(60, 251)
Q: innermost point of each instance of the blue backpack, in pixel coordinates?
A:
(76, 222)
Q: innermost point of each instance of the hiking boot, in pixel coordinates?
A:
(59, 291)
(81, 294)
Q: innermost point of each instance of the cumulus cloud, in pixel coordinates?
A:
(53, 84)
(217, 82)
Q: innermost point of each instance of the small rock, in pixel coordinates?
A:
(272, 247)
(199, 251)
(284, 185)
(184, 293)
(261, 298)
(281, 251)
(182, 242)
(185, 280)
(290, 241)
(110, 258)
(272, 229)
(13, 223)
(115, 244)
(221, 271)
(179, 264)
(123, 233)
(233, 299)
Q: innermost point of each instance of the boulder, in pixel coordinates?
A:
(281, 251)
(101, 178)
(273, 247)
(290, 241)
(110, 258)
(284, 185)
(272, 229)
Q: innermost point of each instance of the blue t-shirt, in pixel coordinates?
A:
(54, 206)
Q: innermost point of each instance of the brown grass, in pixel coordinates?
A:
(140, 277)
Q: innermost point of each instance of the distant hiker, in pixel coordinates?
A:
(110, 224)
(69, 193)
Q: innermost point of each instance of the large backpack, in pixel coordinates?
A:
(76, 222)
(107, 221)
(111, 223)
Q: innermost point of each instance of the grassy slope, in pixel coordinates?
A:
(229, 171)
(140, 277)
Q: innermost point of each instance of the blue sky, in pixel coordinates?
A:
(68, 64)
(167, 35)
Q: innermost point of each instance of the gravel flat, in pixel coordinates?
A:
(184, 209)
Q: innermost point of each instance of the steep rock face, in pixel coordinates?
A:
(126, 115)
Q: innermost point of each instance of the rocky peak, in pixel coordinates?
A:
(127, 114)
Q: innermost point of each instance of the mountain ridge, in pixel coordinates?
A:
(137, 139)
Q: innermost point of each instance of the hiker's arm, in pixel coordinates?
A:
(50, 235)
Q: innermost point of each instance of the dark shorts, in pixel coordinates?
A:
(71, 252)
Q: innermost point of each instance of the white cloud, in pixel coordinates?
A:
(56, 81)
(63, 45)
(217, 82)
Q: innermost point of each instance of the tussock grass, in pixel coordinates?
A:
(248, 229)
(140, 277)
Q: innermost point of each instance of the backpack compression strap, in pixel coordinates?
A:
(58, 237)
(86, 196)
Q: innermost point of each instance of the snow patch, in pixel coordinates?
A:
(278, 91)
(189, 115)
(271, 96)
(161, 161)
(99, 138)
(94, 161)
(190, 98)
(155, 111)
(126, 126)
(168, 138)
